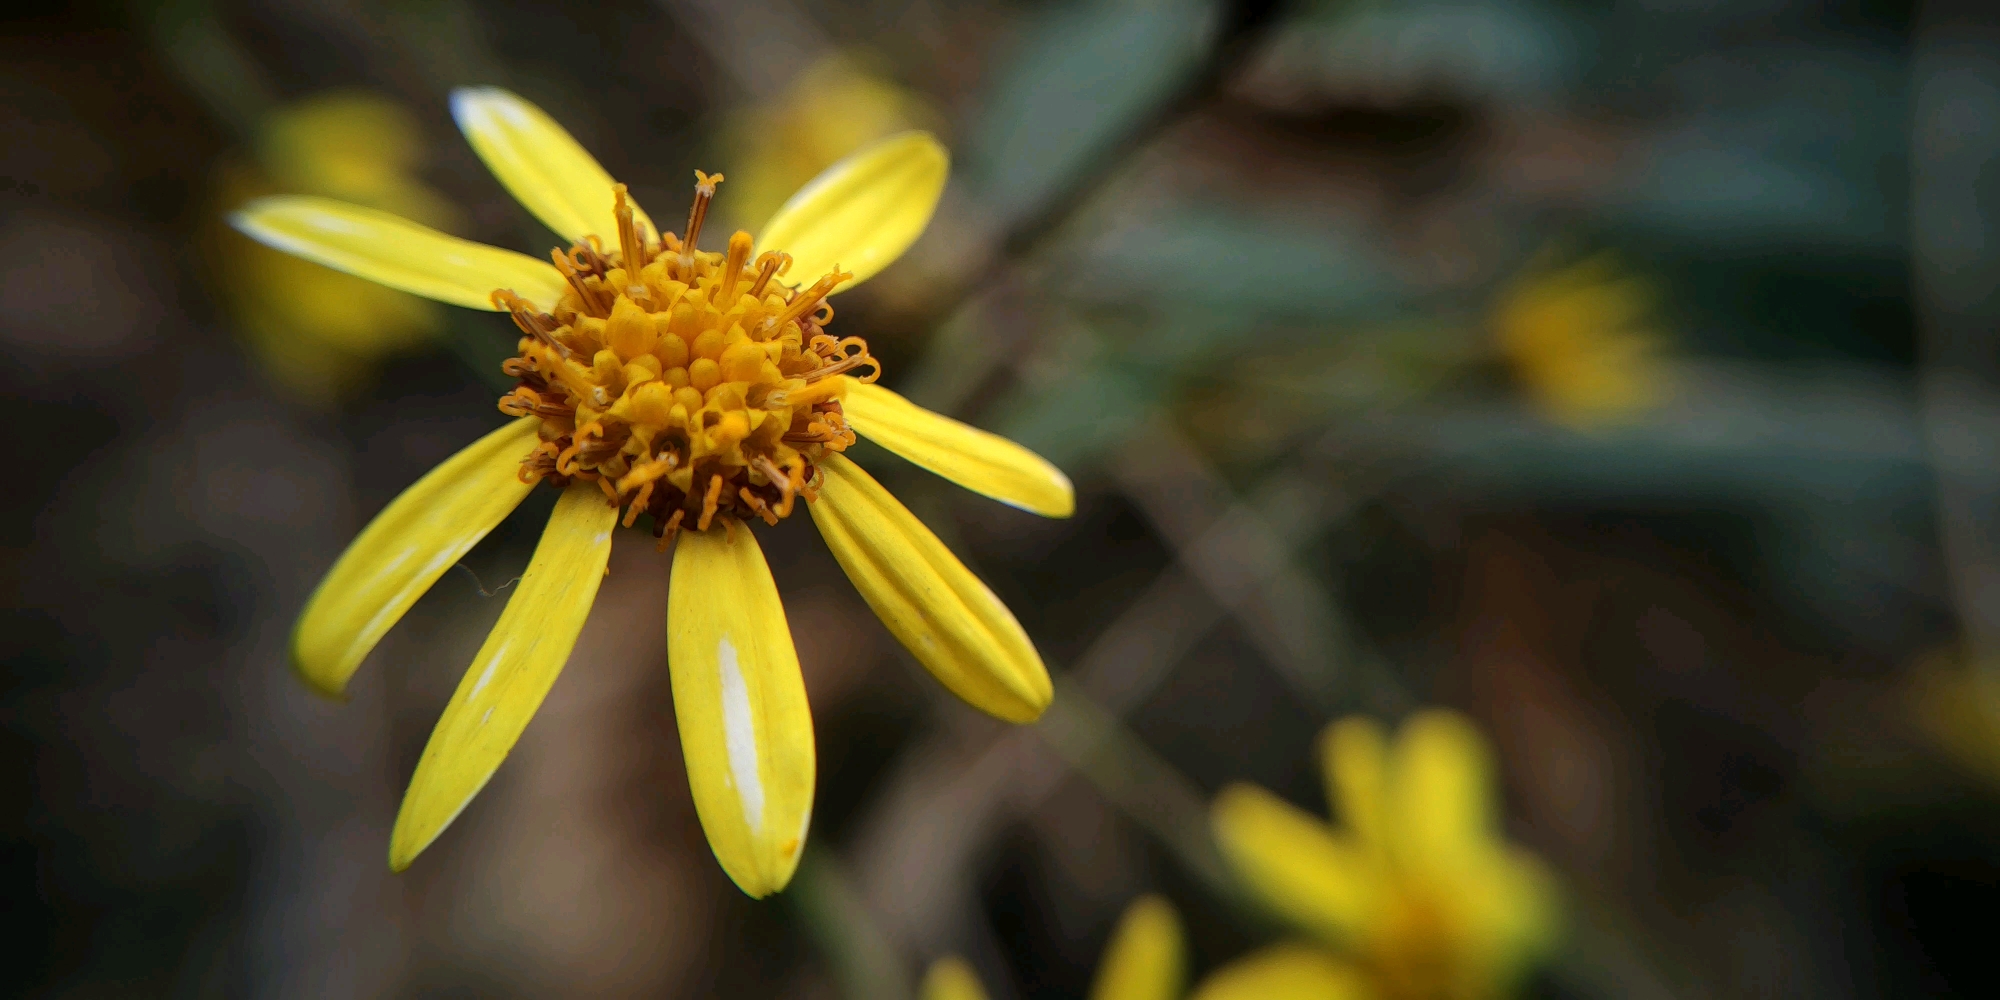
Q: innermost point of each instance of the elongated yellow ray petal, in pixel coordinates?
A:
(862, 212)
(1441, 801)
(411, 543)
(746, 730)
(539, 163)
(984, 463)
(951, 978)
(513, 671)
(1354, 755)
(391, 250)
(1147, 956)
(1288, 971)
(948, 619)
(1296, 864)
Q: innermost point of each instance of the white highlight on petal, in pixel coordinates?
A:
(739, 736)
(485, 677)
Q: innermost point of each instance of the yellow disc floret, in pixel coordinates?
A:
(689, 385)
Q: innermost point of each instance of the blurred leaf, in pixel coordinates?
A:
(1265, 299)
(1232, 263)
(1088, 409)
(1791, 144)
(1080, 80)
(1517, 52)
(214, 66)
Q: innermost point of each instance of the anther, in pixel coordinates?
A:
(758, 506)
(638, 504)
(709, 502)
(631, 246)
(670, 529)
(732, 270)
(768, 267)
(587, 298)
(532, 322)
(783, 480)
(808, 300)
(704, 192)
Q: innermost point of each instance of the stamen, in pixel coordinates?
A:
(768, 267)
(532, 321)
(591, 306)
(709, 502)
(704, 192)
(638, 504)
(807, 300)
(732, 269)
(588, 256)
(631, 247)
(757, 505)
(844, 362)
(672, 528)
(783, 479)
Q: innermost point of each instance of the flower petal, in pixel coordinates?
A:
(951, 978)
(1147, 956)
(740, 699)
(982, 462)
(539, 163)
(513, 671)
(1354, 755)
(391, 250)
(863, 212)
(1441, 803)
(1297, 865)
(411, 543)
(1292, 970)
(948, 619)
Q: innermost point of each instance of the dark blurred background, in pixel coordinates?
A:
(1621, 373)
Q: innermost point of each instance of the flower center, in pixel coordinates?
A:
(688, 385)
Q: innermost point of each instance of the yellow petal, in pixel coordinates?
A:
(1288, 971)
(393, 251)
(740, 699)
(1147, 956)
(1298, 866)
(950, 978)
(513, 671)
(539, 163)
(1441, 802)
(1506, 909)
(415, 539)
(862, 212)
(948, 619)
(984, 463)
(1353, 754)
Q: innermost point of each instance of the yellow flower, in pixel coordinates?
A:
(702, 390)
(1956, 708)
(1417, 897)
(1146, 960)
(317, 332)
(1578, 338)
(835, 105)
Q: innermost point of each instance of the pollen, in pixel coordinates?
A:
(691, 386)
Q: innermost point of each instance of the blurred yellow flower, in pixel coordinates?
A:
(1579, 339)
(836, 105)
(703, 390)
(318, 332)
(1957, 708)
(1145, 960)
(1415, 898)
